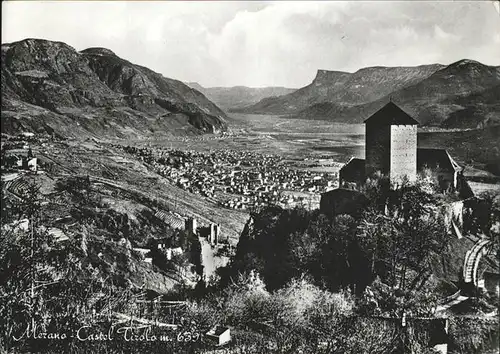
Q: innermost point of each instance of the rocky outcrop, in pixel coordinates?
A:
(50, 87)
(344, 89)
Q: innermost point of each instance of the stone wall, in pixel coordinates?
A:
(377, 145)
(403, 156)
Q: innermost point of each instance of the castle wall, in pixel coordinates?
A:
(377, 149)
(403, 152)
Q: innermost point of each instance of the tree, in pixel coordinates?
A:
(401, 238)
(47, 286)
(370, 335)
(23, 271)
(403, 235)
(80, 189)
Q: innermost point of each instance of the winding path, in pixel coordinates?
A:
(472, 258)
(470, 268)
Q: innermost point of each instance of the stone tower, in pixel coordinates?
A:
(191, 226)
(391, 144)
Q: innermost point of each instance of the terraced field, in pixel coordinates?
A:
(134, 182)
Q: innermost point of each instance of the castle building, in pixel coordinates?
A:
(391, 144)
(352, 173)
(391, 151)
(449, 173)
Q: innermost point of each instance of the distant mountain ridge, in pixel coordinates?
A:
(229, 98)
(460, 95)
(49, 87)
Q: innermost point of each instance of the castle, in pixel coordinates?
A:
(391, 151)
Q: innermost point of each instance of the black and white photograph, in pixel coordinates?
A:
(250, 177)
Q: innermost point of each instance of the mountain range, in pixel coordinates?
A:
(49, 87)
(461, 95)
(229, 98)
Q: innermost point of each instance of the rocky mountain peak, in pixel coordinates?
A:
(98, 51)
(464, 92)
(466, 62)
(49, 86)
(468, 66)
(325, 77)
(40, 54)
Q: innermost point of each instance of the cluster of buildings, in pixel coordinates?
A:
(20, 160)
(212, 232)
(237, 179)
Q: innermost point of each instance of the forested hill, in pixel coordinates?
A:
(414, 252)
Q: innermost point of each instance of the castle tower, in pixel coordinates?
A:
(391, 144)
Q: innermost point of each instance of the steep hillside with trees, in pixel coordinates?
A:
(401, 239)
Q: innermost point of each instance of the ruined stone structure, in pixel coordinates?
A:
(191, 226)
(214, 234)
(211, 233)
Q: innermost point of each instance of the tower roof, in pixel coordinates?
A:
(391, 114)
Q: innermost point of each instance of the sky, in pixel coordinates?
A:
(260, 44)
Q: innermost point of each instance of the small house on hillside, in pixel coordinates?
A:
(58, 234)
(173, 252)
(160, 243)
(219, 335)
(16, 226)
(30, 164)
(19, 162)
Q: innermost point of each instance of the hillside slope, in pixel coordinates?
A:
(477, 147)
(460, 95)
(50, 87)
(345, 89)
(229, 98)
